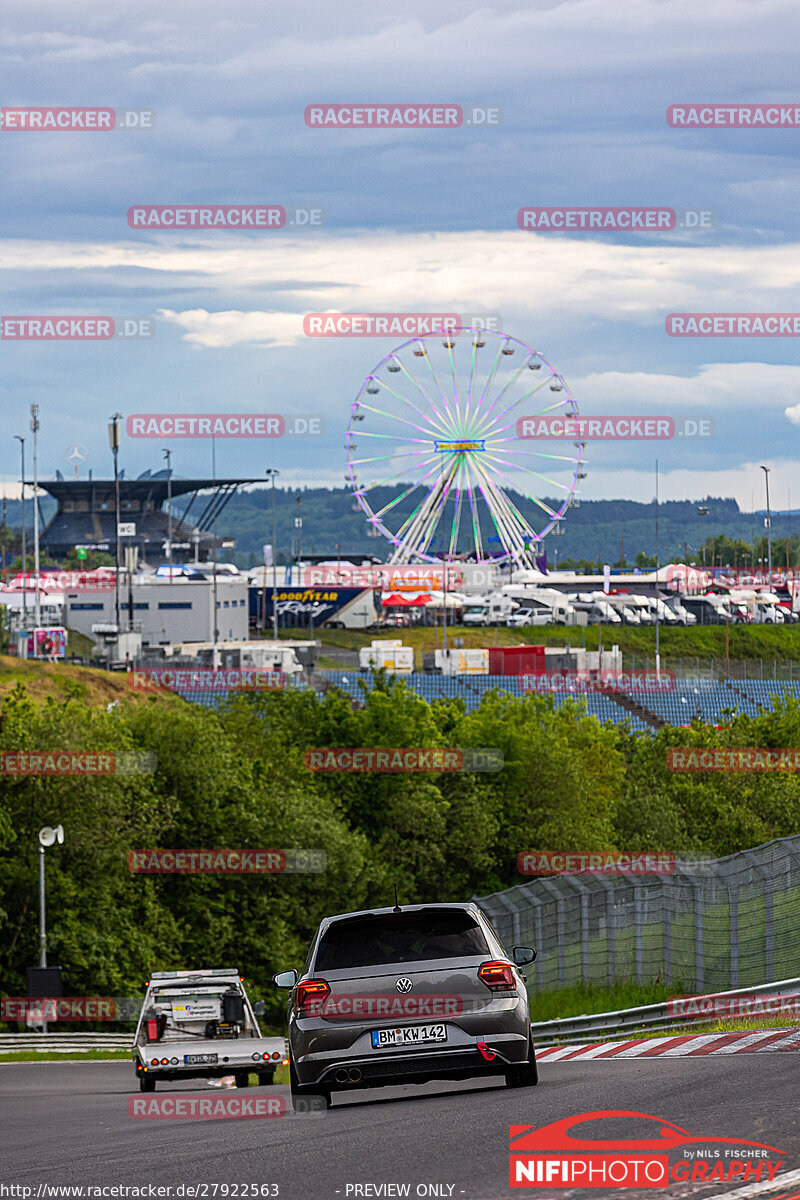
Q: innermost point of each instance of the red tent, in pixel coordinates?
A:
(398, 601)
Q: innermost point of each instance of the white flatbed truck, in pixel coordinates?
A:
(201, 1024)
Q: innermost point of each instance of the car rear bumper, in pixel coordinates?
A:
(170, 1074)
(234, 1054)
(349, 1068)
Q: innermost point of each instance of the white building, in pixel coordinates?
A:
(167, 611)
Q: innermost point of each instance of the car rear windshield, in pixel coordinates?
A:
(372, 941)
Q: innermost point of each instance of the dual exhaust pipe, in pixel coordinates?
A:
(351, 1076)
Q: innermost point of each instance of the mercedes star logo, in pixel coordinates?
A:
(75, 453)
(404, 984)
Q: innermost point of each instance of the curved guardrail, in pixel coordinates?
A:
(649, 1017)
(592, 1026)
(64, 1042)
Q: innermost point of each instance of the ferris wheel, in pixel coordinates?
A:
(434, 459)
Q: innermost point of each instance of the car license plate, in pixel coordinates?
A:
(408, 1035)
(199, 1058)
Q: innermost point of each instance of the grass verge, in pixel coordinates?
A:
(781, 642)
(584, 999)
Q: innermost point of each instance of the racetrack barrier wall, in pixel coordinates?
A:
(710, 925)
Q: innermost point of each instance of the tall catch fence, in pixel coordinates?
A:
(708, 926)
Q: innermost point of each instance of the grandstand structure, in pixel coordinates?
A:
(710, 701)
(85, 515)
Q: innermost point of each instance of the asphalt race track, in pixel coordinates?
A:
(68, 1123)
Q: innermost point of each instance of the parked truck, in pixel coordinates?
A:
(458, 662)
(260, 655)
(200, 1024)
(388, 655)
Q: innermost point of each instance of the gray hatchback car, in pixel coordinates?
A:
(405, 995)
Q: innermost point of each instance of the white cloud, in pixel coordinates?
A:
(746, 387)
(472, 272)
(234, 328)
(744, 483)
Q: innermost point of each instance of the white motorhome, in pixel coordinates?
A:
(546, 602)
(494, 609)
(707, 610)
(661, 610)
(768, 610)
(684, 617)
(642, 605)
(629, 612)
(596, 607)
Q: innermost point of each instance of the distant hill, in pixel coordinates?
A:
(594, 531)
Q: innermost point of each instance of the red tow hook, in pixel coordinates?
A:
(488, 1054)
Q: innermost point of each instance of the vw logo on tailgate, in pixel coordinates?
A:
(404, 984)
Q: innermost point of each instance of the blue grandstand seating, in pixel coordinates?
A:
(711, 701)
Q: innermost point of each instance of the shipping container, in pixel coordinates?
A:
(516, 660)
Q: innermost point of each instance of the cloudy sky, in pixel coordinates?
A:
(415, 220)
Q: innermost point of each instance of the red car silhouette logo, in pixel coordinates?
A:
(552, 1156)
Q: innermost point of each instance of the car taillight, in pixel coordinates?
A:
(311, 995)
(498, 976)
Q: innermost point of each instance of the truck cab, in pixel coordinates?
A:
(200, 1024)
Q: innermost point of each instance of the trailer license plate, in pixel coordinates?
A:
(408, 1035)
(191, 1059)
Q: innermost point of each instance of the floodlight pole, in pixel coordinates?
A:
(168, 457)
(42, 916)
(272, 473)
(21, 441)
(214, 602)
(766, 471)
(47, 837)
(113, 437)
(37, 594)
(444, 619)
(658, 598)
